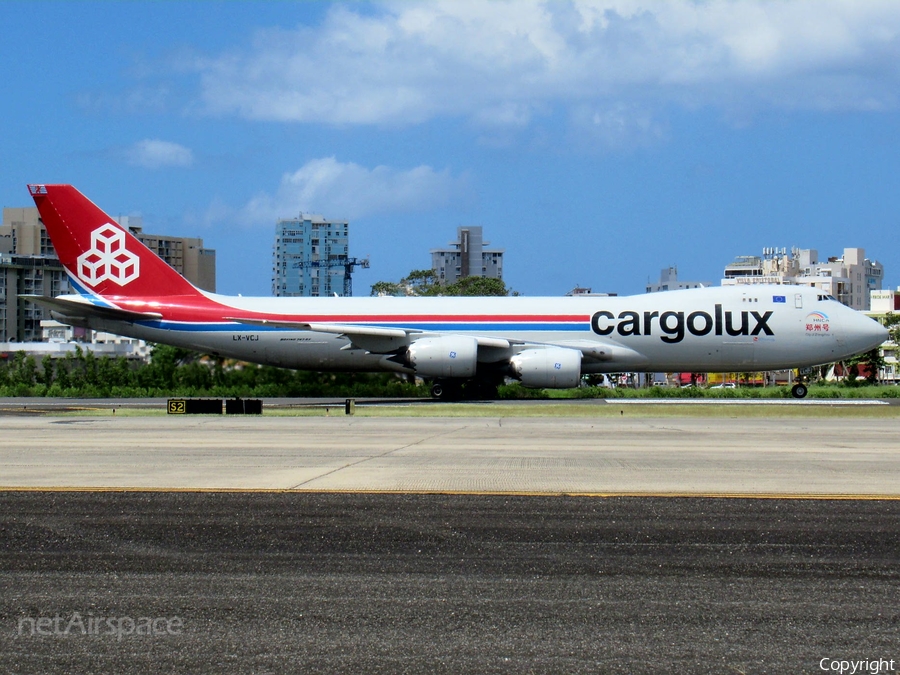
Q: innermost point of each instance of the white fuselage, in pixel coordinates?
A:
(722, 329)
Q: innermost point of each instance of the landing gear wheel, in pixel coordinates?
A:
(444, 390)
(799, 391)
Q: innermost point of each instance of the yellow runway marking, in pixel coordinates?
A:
(474, 493)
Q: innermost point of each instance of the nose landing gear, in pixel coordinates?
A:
(799, 390)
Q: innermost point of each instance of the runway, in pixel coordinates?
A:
(831, 456)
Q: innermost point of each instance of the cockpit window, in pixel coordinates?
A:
(826, 297)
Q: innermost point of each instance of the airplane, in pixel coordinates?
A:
(457, 344)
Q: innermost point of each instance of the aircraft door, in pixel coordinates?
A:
(738, 345)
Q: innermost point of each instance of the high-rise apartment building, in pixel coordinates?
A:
(310, 257)
(849, 278)
(668, 281)
(186, 254)
(467, 257)
(29, 266)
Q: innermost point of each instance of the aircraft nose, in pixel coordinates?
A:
(865, 334)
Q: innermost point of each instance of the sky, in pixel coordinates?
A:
(595, 142)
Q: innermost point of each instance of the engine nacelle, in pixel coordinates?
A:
(554, 368)
(451, 356)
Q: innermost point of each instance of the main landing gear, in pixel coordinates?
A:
(799, 390)
(459, 390)
(446, 390)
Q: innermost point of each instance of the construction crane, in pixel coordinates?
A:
(337, 261)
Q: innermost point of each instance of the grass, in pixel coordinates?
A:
(816, 391)
(548, 409)
(583, 403)
(611, 409)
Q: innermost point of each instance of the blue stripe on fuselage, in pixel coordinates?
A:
(433, 327)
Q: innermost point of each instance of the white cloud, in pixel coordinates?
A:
(347, 190)
(616, 126)
(155, 154)
(508, 61)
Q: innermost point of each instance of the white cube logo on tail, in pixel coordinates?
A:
(108, 259)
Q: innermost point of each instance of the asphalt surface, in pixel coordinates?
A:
(312, 582)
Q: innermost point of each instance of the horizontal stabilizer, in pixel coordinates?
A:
(86, 310)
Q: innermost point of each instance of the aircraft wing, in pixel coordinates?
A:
(86, 310)
(596, 352)
(336, 328)
(385, 340)
(371, 338)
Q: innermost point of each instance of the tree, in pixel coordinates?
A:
(424, 283)
(477, 286)
(47, 370)
(892, 323)
(386, 288)
(164, 361)
(869, 363)
(418, 283)
(24, 371)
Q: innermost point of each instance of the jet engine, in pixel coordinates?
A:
(553, 367)
(450, 356)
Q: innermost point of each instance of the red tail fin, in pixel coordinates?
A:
(98, 254)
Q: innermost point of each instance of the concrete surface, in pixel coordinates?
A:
(831, 456)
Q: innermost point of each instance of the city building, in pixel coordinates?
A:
(850, 278)
(886, 302)
(587, 292)
(467, 257)
(668, 281)
(61, 339)
(311, 259)
(29, 266)
(186, 254)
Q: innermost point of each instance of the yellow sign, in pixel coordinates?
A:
(177, 406)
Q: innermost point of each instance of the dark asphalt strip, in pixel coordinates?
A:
(308, 582)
